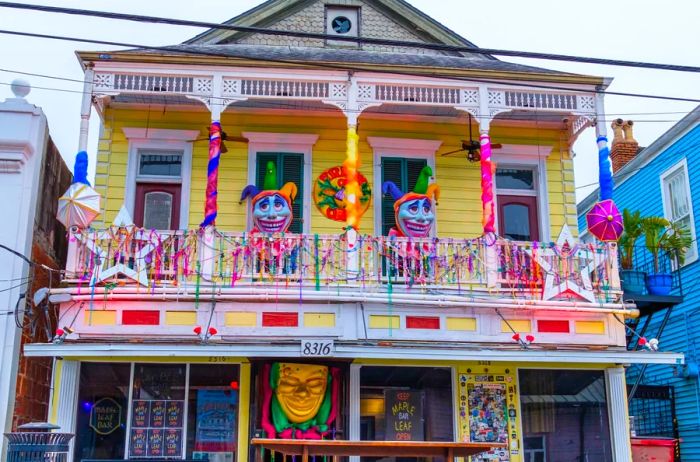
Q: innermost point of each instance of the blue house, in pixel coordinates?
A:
(663, 180)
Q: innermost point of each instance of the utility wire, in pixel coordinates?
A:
(359, 40)
(69, 79)
(191, 52)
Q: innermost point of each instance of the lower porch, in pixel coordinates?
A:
(192, 402)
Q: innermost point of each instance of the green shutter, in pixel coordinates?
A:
(404, 172)
(413, 169)
(290, 168)
(293, 170)
(392, 170)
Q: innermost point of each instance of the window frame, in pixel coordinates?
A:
(301, 143)
(680, 166)
(408, 148)
(531, 158)
(159, 139)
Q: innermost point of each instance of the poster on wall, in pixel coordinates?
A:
(488, 418)
(155, 442)
(138, 442)
(173, 414)
(215, 434)
(173, 442)
(139, 414)
(157, 415)
(404, 415)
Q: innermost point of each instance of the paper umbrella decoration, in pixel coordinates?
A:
(80, 204)
(604, 221)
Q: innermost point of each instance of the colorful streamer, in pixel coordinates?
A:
(605, 177)
(488, 216)
(353, 191)
(210, 206)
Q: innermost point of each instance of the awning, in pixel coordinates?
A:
(395, 351)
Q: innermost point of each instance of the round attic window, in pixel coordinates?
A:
(341, 25)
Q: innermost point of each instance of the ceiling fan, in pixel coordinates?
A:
(472, 146)
(225, 137)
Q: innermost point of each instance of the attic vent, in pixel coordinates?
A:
(342, 21)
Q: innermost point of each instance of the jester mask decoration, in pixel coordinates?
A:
(300, 400)
(414, 211)
(272, 207)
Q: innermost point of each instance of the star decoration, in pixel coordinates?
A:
(121, 229)
(576, 267)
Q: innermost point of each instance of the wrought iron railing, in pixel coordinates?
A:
(643, 261)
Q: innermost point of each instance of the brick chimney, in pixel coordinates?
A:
(624, 146)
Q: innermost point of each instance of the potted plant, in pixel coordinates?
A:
(633, 280)
(660, 235)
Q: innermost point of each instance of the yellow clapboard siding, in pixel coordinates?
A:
(459, 210)
(519, 325)
(319, 319)
(465, 324)
(180, 318)
(378, 321)
(241, 319)
(100, 317)
(590, 327)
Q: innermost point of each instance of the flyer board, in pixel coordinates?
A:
(488, 411)
(156, 428)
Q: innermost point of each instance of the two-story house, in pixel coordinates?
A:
(664, 399)
(383, 252)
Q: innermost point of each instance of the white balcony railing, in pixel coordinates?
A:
(348, 261)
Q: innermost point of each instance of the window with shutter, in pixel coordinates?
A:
(678, 204)
(404, 172)
(290, 168)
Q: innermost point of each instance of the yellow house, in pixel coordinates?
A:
(363, 304)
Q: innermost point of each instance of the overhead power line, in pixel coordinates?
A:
(359, 40)
(191, 52)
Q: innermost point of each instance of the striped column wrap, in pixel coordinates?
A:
(210, 205)
(487, 204)
(352, 187)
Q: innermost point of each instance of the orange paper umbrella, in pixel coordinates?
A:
(604, 221)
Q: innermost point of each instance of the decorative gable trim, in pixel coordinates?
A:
(414, 21)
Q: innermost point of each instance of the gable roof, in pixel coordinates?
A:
(412, 19)
(651, 152)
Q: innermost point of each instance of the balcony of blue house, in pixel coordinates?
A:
(652, 283)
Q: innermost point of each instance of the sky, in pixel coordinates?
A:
(643, 30)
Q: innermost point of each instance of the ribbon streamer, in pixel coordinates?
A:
(352, 188)
(210, 206)
(605, 177)
(488, 217)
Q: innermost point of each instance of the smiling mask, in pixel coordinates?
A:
(414, 211)
(272, 207)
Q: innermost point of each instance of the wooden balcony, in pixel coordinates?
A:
(346, 267)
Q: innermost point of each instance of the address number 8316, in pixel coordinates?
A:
(319, 347)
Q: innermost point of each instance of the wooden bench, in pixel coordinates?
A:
(305, 448)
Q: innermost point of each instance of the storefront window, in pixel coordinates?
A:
(564, 416)
(405, 404)
(212, 420)
(157, 411)
(176, 411)
(102, 411)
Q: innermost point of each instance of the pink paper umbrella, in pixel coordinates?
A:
(604, 221)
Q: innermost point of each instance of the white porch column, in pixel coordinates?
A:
(354, 412)
(23, 137)
(618, 413)
(66, 399)
(86, 107)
